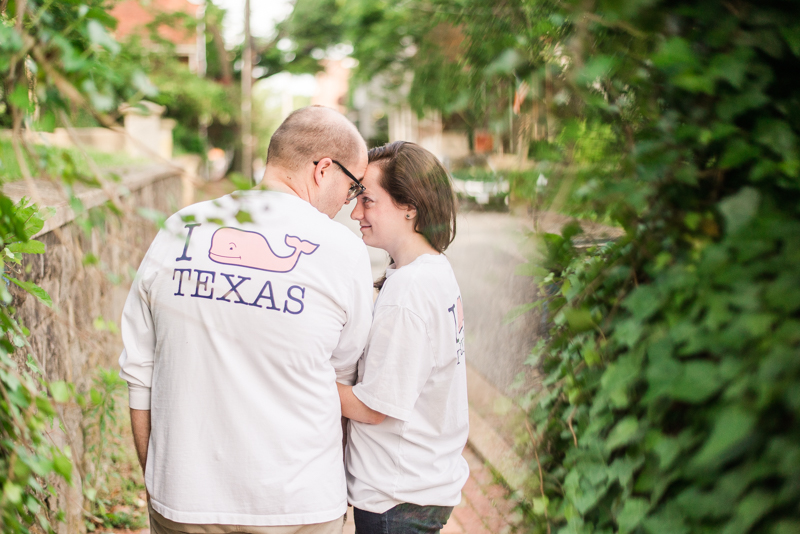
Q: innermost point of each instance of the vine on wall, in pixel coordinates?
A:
(55, 61)
(671, 397)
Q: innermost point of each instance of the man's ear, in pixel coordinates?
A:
(321, 169)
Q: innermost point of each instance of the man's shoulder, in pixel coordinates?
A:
(269, 211)
(348, 239)
(200, 211)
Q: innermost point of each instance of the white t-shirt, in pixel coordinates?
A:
(413, 371)
(235, 333)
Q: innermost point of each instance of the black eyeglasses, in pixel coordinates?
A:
(356, 189)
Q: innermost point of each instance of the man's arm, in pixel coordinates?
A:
(140, 424)
(354, 409)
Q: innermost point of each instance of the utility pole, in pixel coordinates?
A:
(247, 100)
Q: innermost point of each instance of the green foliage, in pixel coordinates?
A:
(193, 101)
(28, 459)
(57, 59)
(55, 161)
(105, 426)
(671, 377)
(197, 104)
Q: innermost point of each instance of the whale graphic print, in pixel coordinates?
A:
(251, 249)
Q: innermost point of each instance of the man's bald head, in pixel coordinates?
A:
(312, 133)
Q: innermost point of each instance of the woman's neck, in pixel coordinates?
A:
(410, 249)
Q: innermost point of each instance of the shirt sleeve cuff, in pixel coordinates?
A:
(138, 397)
(380, 406)
(347, 375)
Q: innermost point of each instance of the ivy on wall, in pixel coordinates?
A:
(55, 60)
(671, 396)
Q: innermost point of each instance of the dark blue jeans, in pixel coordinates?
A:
(404, 518)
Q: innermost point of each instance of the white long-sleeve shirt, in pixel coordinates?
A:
(234, 335)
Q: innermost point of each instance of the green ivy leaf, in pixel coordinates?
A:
(579, 320)
(643, 302)
(582, 492)
(750, 509)
(143, 84)
(27, 247)
(520, 310)
(791, 34)
(12, 492)
(619, 378)
(696, 382)
(100, 37)
(243, 217)
(675, 55)
(623, 433)
(155, 216)
(540, 505)
(10, 40)
(60, 391)
(778, 136)
(34, 290)
(732, 426)
(668, 521)
(596, 67)
(787, 526)
(737, 153)
(632, 514)
(62, 465)
(740, 208)
(18, 97)
(628, 332)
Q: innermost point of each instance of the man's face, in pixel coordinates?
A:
(334, 191)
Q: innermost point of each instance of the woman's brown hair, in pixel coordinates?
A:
(414, 177)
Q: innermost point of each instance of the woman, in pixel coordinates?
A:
(408, 411)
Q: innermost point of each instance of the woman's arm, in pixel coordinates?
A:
(354, 409)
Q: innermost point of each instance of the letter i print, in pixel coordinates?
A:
(183, 256)
(457, 310)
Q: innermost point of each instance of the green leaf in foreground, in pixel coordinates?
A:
(632, 514)
(27, 247)
(34, 290)
(731, 427)
(623, 433)
(579, 320)
(60, 391)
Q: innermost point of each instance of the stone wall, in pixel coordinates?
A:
(77, 335)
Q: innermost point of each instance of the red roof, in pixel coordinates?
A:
(132, 16)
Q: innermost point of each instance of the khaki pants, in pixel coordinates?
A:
(161, 525)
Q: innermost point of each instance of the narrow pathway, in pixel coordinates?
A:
(485, 505)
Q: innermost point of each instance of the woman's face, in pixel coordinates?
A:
(383, 224)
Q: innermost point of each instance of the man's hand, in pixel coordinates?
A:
(354, 409)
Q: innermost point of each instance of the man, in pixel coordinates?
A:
(243, 314)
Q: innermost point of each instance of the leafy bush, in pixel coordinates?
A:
(671, 396)
(28, 459)
(55, 57)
